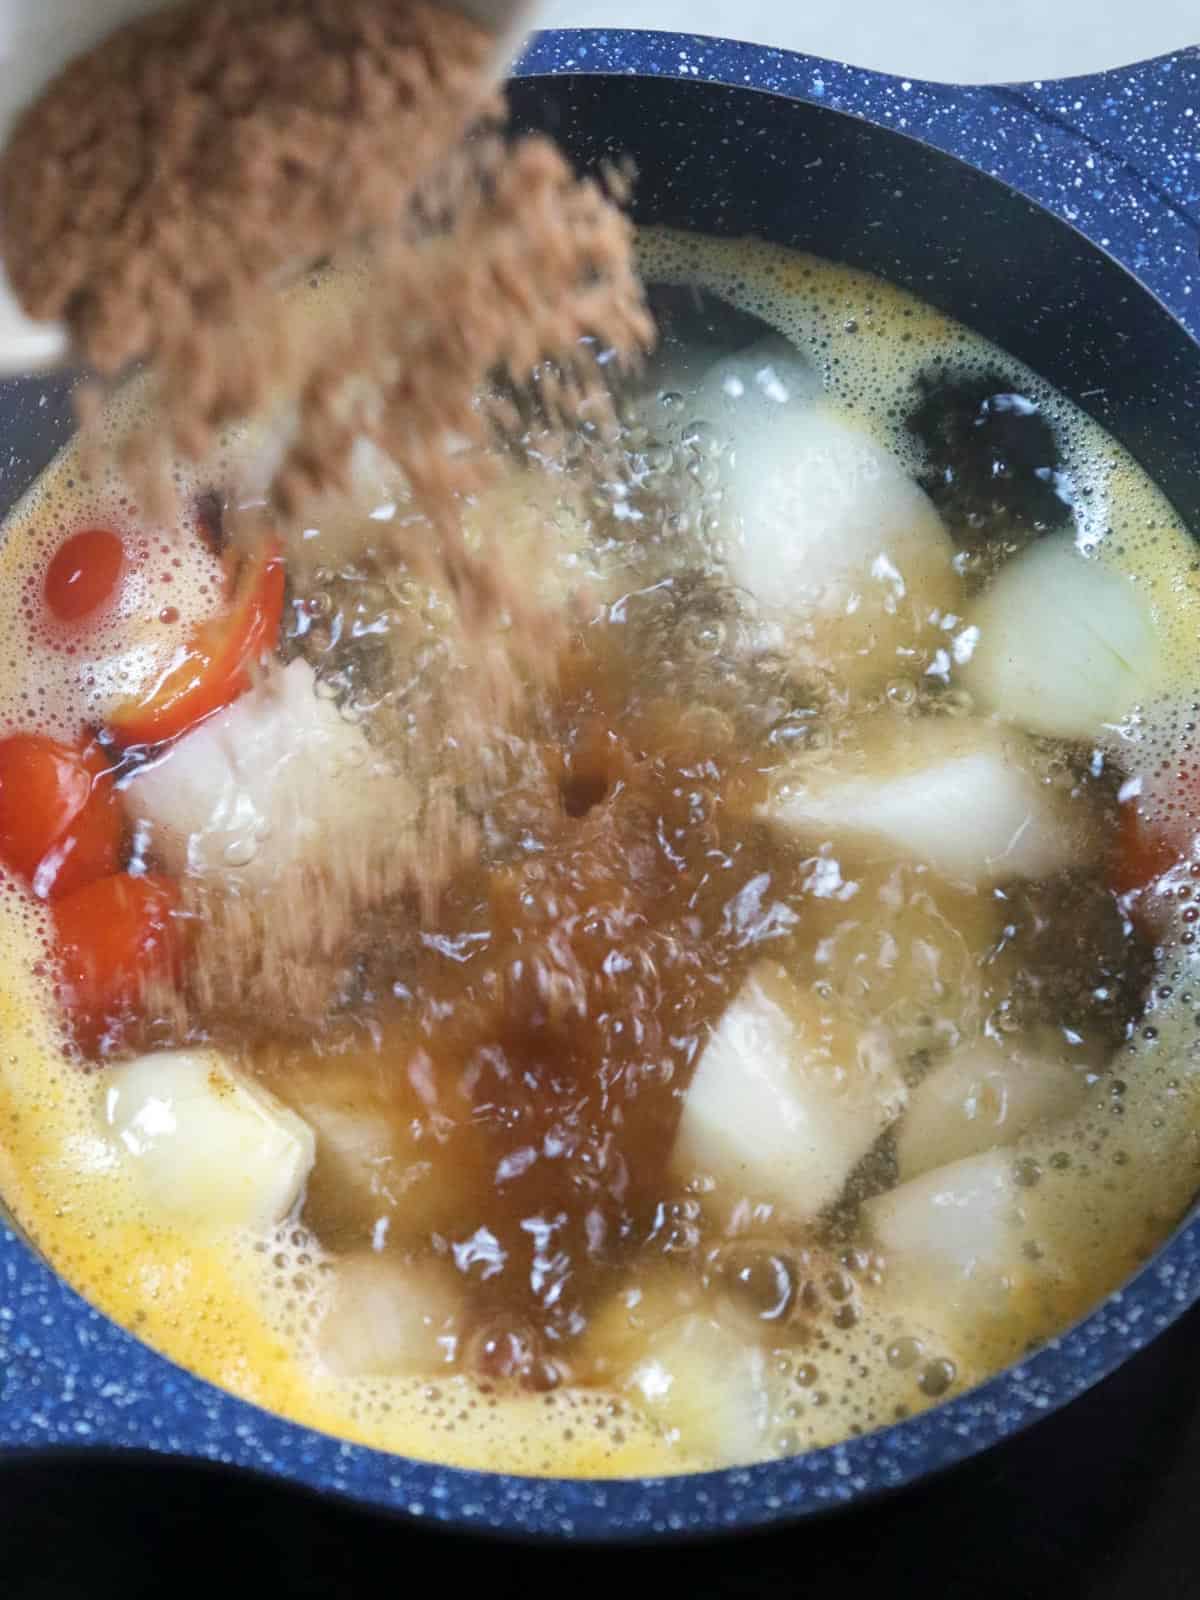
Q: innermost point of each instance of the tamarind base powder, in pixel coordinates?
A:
(158, 197)
(168, 182)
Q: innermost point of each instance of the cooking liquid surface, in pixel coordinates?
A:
(541, 1031)
(544, 1024)
(522, 1054)
(534, 1042)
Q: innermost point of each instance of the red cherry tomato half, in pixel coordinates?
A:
(114, 937)
(1156, 838)
(214, 668)
(1144, 854)
(60, 814)
(84, 573)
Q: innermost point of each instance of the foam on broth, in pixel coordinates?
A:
(1104, 1188)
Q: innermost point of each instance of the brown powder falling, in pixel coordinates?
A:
(281, 962)
(156, 200)
(168, 183)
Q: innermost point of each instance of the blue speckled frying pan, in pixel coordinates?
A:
(1061, 220)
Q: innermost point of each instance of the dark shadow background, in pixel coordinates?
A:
(1102, 1501)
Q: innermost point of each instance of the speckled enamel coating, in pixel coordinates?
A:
(1118, 156)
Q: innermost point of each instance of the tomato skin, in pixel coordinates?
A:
(60, 813)
(114, 936)
(1154, 848)
(83, 574)
(215, 667)
(1144, 853)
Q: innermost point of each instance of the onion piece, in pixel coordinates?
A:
(620, 1327)
(901, 947)
(982, 1096)
(390, 1317)
(276, 780)
(708, 1387)
(962, 795)
(823, 526)
(397, 1154)
(766, 385)
(211, 1146)
(788, 1096)
(824, 510)
(955, 1239)
(1065, 645)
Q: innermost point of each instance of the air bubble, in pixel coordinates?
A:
(839, 1286)
(764, 1280)
(937, 1378)
(904, 1353)
(710, 727)
(702, 438)
(239, 852)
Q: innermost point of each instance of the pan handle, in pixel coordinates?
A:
(1112, 153)
(1117, 154)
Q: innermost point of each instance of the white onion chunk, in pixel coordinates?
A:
(786, 1099)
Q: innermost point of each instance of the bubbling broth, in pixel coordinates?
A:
(805, 1032)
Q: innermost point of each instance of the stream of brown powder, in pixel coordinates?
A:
(169, 183)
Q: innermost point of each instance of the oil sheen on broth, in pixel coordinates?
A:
(787, 1059)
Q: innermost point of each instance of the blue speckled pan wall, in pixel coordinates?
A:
(1118, 157)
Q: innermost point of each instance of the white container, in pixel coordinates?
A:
(39, 37)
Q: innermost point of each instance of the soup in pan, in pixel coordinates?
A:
(805, 1032)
